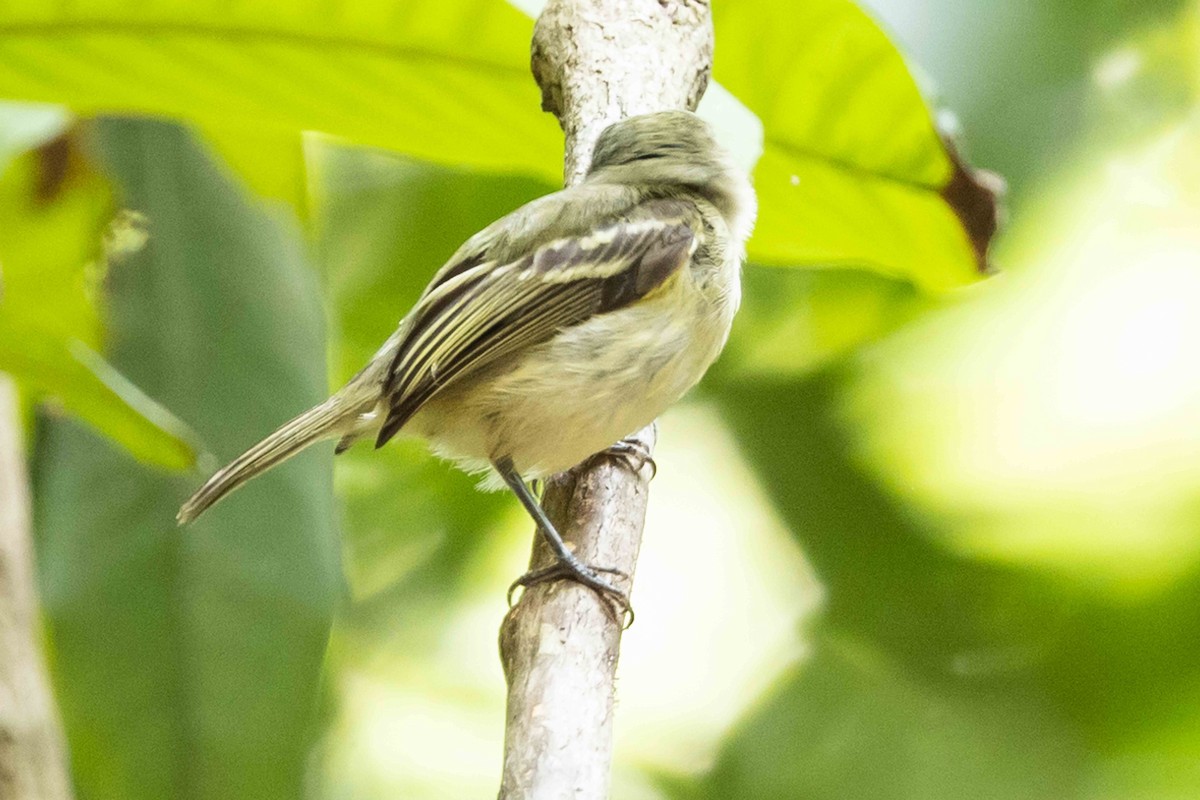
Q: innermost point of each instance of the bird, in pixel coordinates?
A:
(555, 331)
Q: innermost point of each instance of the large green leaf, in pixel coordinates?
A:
(90, 388)
(441, 80)
(854, 173)
(186, 661)
(54, 207)
(795, 321)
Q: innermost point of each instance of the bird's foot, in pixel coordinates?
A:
(616, 602)
(634, 453)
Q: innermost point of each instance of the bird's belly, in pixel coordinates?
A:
(576, 394)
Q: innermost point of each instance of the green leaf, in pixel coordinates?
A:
(54, 206)
(854, 173)
(93, 390)
(440, 80)
(795, 321)
(186, 661)
(270, 162)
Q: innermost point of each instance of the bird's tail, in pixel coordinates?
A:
(330, 419)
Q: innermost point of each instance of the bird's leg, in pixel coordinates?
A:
(568, 566)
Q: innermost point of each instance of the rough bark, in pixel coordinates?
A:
(597, 61)
(32, 755)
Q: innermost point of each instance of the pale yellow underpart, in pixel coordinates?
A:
(559, 402)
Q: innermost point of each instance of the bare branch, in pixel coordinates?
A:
(597, 61)
(32, 755)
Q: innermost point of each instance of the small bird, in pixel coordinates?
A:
(556, 330)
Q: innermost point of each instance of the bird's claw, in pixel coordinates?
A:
(614, 599)
(634, 453)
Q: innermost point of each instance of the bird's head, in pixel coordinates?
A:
(674, 149)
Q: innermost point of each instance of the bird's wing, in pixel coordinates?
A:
(479, 311)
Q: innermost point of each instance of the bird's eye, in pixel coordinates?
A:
(647, 156)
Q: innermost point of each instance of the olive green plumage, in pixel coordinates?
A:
(571, 322)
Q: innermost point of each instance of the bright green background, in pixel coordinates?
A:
(915, 537)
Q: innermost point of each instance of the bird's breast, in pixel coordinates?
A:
(591, 384)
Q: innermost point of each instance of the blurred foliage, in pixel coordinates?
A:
(384, 224)
(998, 499)
(55, 208)
(853, 725)
(1033, 83)
(1002, 506)
(186, 660)
(922, 683)
(802, 320)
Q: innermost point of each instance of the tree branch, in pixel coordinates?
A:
(32, 755)
(597, 61)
